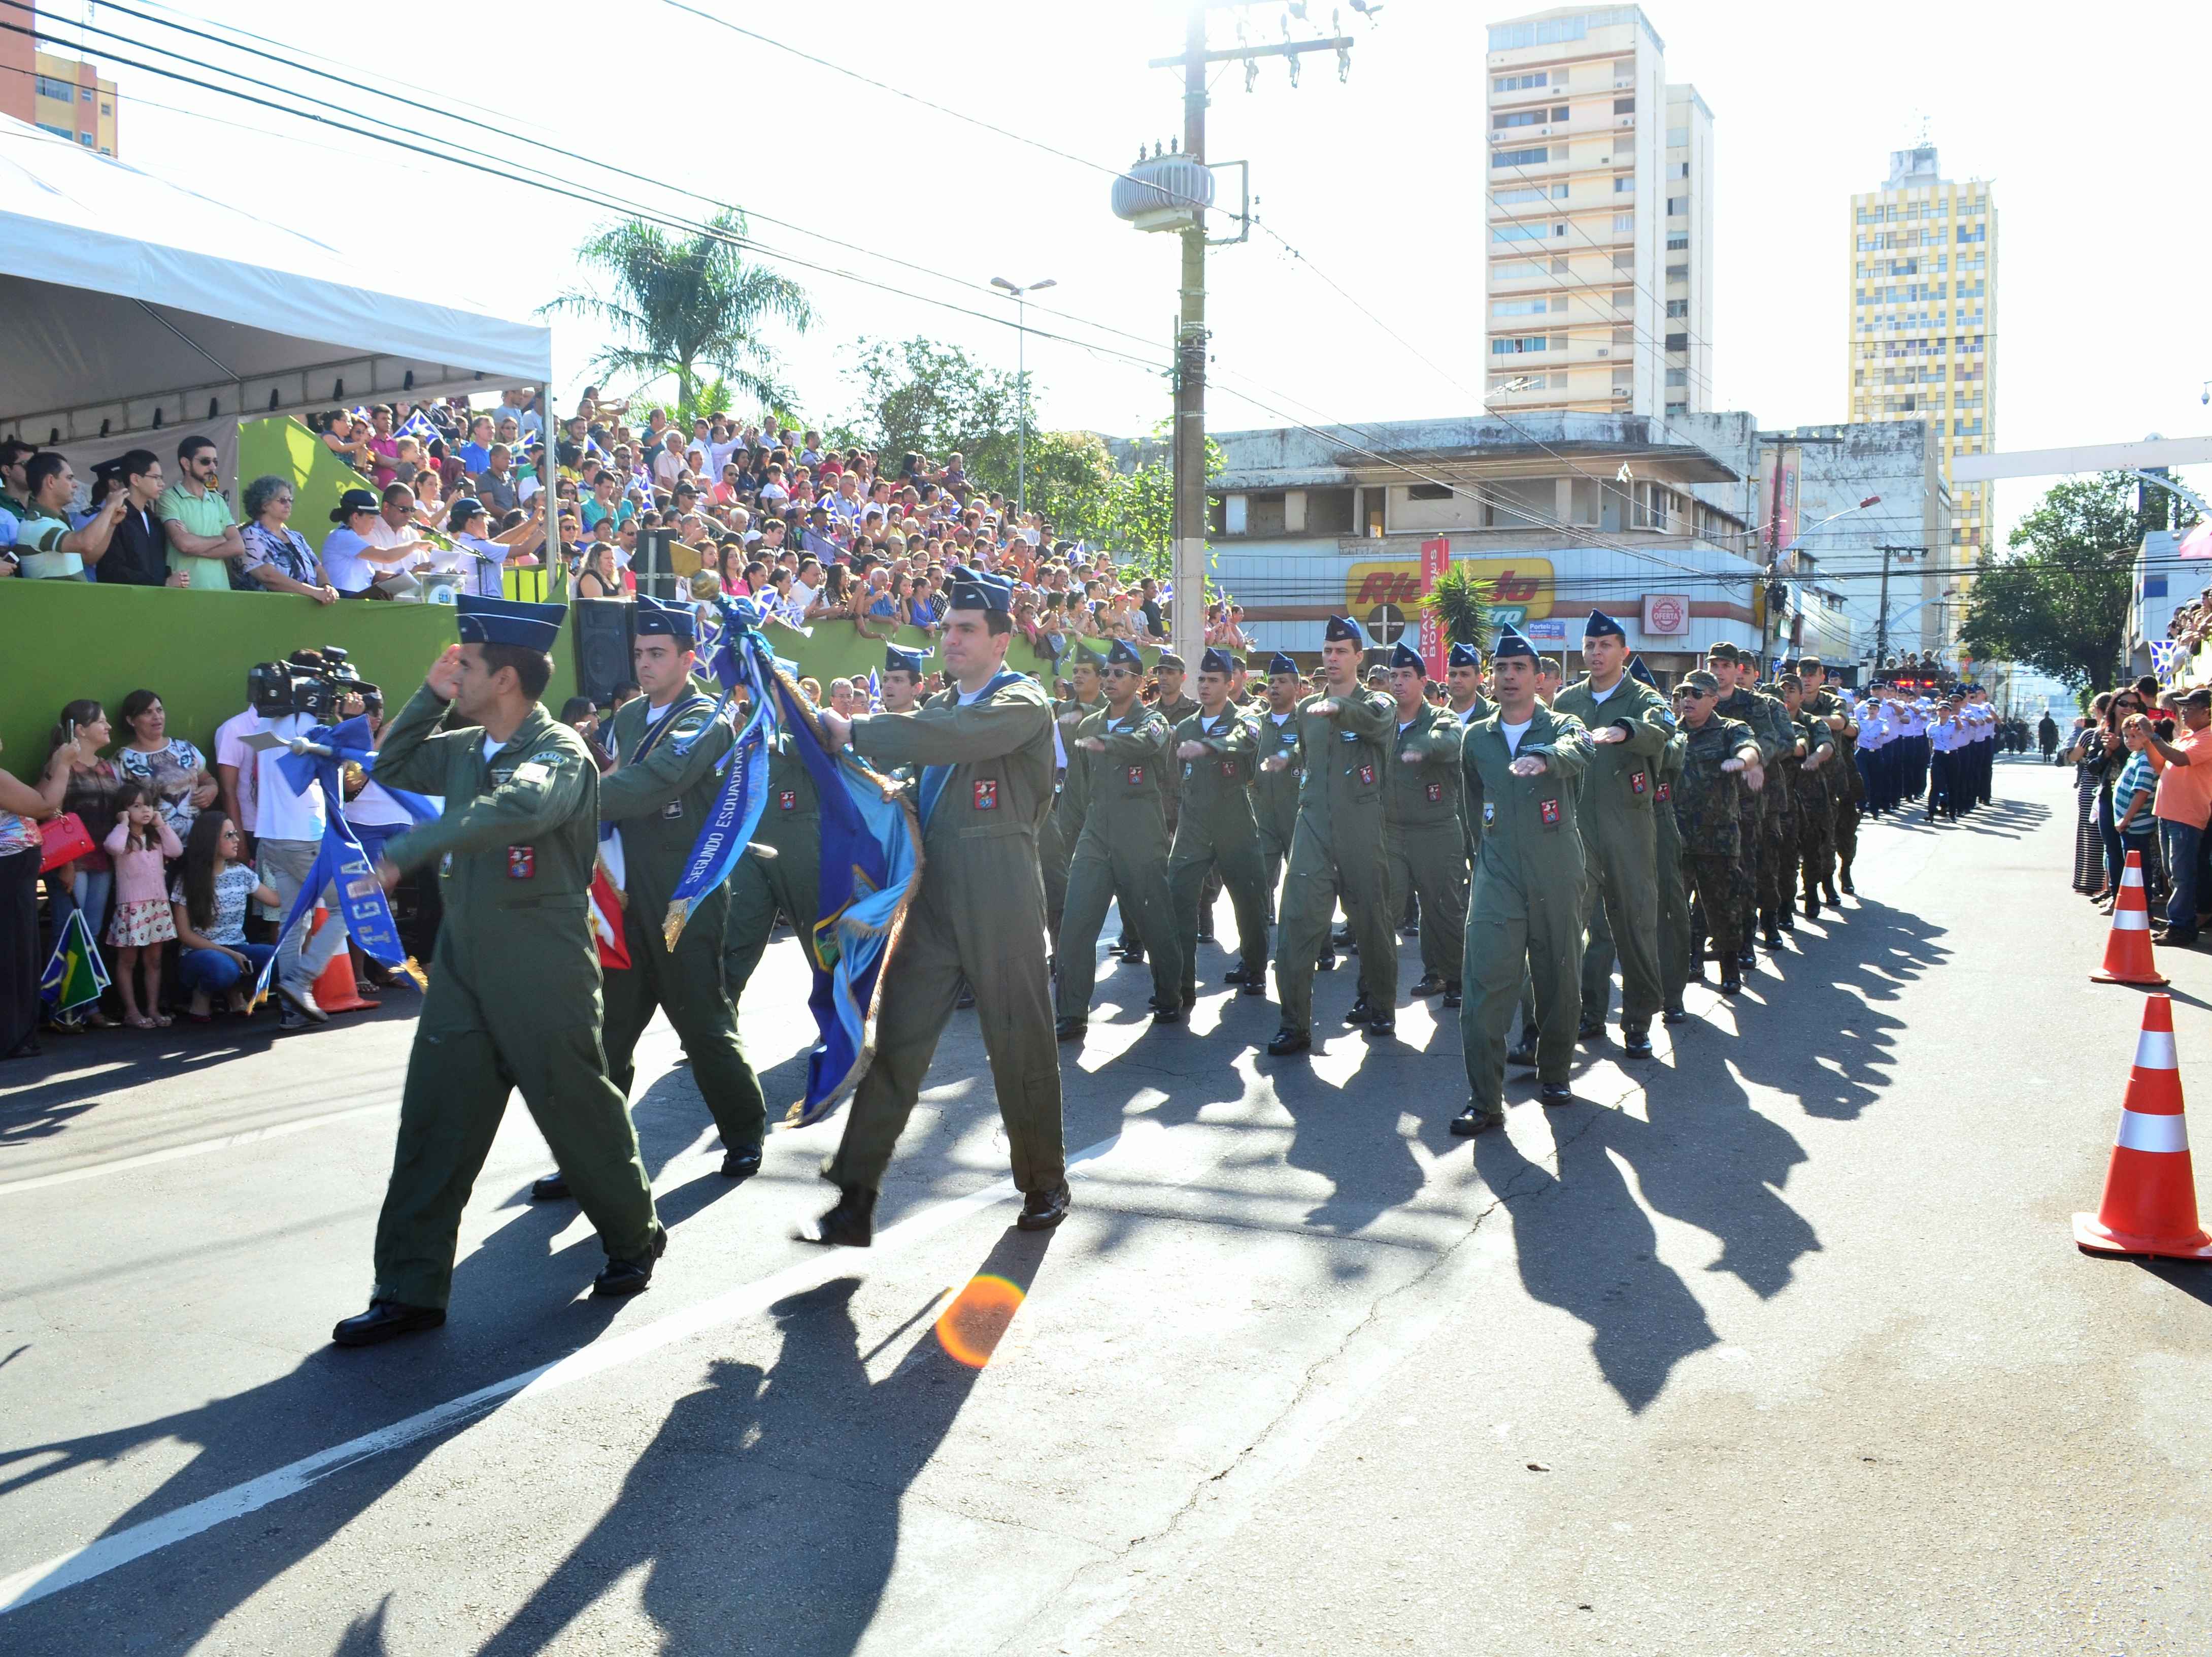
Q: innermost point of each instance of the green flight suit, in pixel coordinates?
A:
(657, 798)
(1708, 812)
(789, 881)
(1174, 713)
(977, 917)
(1121, 851)
(1425, 842)
(513, 997)
(1056, 841)
(1766, 813)
(1479, 708)
(1809, 786)
(1217, 834)
(1275, 793)
(1846, 788)
(1337, 850)
(1674, 894)
(1618, 793)
(1525, 908)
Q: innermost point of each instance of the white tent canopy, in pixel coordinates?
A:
(127, 301)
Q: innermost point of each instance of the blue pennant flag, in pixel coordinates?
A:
(74, 974)
(340, 859)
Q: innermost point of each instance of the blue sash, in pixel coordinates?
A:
(934, 777)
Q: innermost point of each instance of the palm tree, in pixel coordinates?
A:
(682, 306)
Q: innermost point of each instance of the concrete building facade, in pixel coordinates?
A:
(1923, 332)
(58, 95)
(1598, 281)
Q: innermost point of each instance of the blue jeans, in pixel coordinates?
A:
(88, 892)
(2180, 842)
(210, 972)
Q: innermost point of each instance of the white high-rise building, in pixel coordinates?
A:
(1600, 192)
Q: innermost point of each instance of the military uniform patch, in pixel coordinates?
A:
(1136, 777)
(1639, 782)
(1666, 793)
(987, 794)
(787, 800)
(1367, 775)
(1436, 792)
(522, 863)
(1549, 810)
(672, 810)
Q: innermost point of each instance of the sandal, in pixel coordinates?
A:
(140, 1021)
(161, 1021)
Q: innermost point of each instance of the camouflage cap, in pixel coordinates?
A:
(1698, 680)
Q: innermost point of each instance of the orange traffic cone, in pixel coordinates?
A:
(2127, 951)
(2150, 1190)
(335, 992)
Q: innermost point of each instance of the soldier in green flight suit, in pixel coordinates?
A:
(1630, 724)
(1809, 781)
(1122, 849)
(1343, 737)
(1521, 768)
(668, 742)
(1674, 896)
(1056, 841)
(900, 682)
(1275, 792)
(984, 745)
(513, 999)
(1422, 835)
(1847, 788)
(1463, 697)
(1766, 811)
(1215, 749)
(1173, 705)
(1721, 761)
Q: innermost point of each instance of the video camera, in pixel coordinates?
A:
(311, 682)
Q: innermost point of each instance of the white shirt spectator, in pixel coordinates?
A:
(230, 749)
(280, 812)
(343, 562)
(667, 468)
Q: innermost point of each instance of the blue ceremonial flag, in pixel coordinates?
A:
(340, 859)
(739, 655)
(871, 856)
(875, 693)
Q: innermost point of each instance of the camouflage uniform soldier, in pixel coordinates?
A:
(1809, 781)
(1848, 786)
(1767, 813)
(1720, 759)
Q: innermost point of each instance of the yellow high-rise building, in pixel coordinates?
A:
(1924, 336)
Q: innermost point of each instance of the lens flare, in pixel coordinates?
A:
(969, 1330)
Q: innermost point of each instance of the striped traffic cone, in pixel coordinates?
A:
(2150, 1190)
(2127, 950)
(335, 992)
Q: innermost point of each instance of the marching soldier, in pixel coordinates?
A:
(1720, 759)
(1275, 792)
(1521, 767)
(1173, 706)
(1056, 841)
(1674, 896)
(901, 679)
(517, 841)
(657, 796)
(983, 745)
(1765, 812)
(1215, 749)
(1343, 737)
(1122, 847)
(1421, 825)
(1463, 685)
(1629, 725)
(1848, 786)
(1809, 781)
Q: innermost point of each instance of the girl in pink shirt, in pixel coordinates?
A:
(140, 844)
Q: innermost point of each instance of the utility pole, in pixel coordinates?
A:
(1187, 444)
(1881, 615)
(1021, 380)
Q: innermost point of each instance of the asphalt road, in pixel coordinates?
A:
(1778, 1344)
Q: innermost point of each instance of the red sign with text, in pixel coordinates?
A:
(1436, 559)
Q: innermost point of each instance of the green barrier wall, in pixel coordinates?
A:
(63, 640)
(285, 446)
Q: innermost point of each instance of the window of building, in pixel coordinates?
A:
(1506, 198)
(1329, 511)
(1678, 307)
(85, 94)
(1624, 106)
(1517, 83)
(1560, 112)
(1677, 204)
(1516, 233)
(1624, 221)
(85, 138)
(58, 131)
(1978, 232)
(1624, 183)
(1678, 342)
(50, 87)
(1518, 345)
(1678, 138)
(1678, 273)
(1624, 337)
(1518, 307)
(1678, 244)
(105, 107)
(1678, 169)
(1625, 260)
(1624, 299)
(1519, 118)
(1559, 267)
(1519, 157)
(1428, 492)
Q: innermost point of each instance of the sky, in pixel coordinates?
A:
(2091, 131)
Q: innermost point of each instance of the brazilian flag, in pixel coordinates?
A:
(74, 974)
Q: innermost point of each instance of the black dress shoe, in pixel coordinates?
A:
(1635, 1043)
(848, 1224)
(386, 1320)
(1828, 893)
(1254, 986)
(1285, 1042)
(1327, 963)
(1771, 937)
(1167, 1016)
(1523, 1057)
(1452, 996)
(1474, 1120)
(621, 1277)
(1343, 939)
(551, 1188)
(1043, 1209)
(1731, 985)
(1361, 1013)
(1234, 977)
(1431, 984)
(1589, 1032)
(1555, 1093)
(966, 1000)
(1786, 918)
(1749, 957)
(1812, 907)
(1845, 881)
(1675, 1015)
(742, 1162)
(1070, 1029)
(1380, 1028)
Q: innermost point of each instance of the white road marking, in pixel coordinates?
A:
(197, 1148)
(67, 1570)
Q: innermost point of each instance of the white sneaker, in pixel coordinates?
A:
(303, 998)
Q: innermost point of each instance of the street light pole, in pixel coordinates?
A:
(1022, 384)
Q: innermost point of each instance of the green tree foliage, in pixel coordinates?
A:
(2060, 602)
(920, 397)
(681, 306)
(1461, 603)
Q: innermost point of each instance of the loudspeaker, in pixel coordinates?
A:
(650, 564)
(601, 629)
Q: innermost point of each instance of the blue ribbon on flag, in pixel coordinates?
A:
(740, 656)
(933, 778)
(340, 861)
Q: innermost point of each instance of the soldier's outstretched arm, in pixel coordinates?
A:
(640, 788)
(545, 791)
(949, 734)
(1146, 739)
(413, 752)
(1649, 725)
(1240, 738)
(1569, 753)
(1367, 714)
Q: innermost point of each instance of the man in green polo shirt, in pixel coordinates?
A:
(196, 518)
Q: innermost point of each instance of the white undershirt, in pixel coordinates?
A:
(1513, 733)
(1597, 695)
(492, 746)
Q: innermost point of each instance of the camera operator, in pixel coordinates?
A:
(292, 698)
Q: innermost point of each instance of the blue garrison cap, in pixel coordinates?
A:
(1401, 656)
(1280, 663)
(508, 621)
(1511, 643)
(1601, 626)
(898, 658)
(1123, 655)
(1218, 661)
(1638, 670)
(971, 589)
(676, 621)
(1343, 627)
(1465, 656)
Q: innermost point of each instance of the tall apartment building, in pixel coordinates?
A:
(1923, 338)
(63, 95)
(1599, 284)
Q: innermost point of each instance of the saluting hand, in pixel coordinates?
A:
(1190, 750)
(1412, 757)
(1275, 762)
(1529, 764)
(1754, 777)
(1092, 745)
(444, 679)
(835, 727)
(1608, 735)
(1326, 707)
